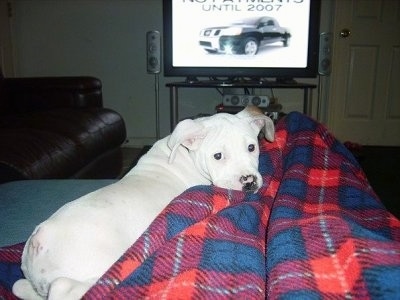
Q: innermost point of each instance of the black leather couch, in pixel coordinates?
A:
(57, 127)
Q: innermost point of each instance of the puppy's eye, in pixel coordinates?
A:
(251, 147)
(218, 156)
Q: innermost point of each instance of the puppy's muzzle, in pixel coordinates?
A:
(249, 183)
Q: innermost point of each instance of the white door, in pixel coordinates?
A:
(364, 101)
(6, 57)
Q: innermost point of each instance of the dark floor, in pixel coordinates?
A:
(381, 165)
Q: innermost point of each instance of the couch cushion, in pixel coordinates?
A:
(93, 130)
(28, 153)
(4, 105)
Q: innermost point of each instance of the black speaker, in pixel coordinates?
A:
(153, 41)
(325, 53)
(243, 100)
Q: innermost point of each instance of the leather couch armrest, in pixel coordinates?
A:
(41, 93)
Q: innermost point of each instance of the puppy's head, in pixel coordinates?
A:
(224, 147)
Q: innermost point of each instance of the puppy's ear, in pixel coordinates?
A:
(187, 133)
(266, 125)
(257, 118)
(249, 111)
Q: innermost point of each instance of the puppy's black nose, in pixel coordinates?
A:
(249, 183)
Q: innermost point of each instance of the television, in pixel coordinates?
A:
(239, 39)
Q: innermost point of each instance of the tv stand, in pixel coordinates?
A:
(192, 79)
(287, 80)
(254, 83)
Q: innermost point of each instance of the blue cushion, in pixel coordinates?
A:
(25, 204)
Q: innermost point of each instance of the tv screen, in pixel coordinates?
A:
(241, 38)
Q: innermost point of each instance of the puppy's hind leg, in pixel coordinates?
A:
(69, 289)
(34, 243)
(61, 288)
(34, 267)
(24, 290)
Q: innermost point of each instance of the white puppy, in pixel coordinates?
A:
(70, 251)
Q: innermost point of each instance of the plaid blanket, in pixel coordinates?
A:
(315, 230)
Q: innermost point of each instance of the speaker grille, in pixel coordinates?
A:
(153, 40)
(243, 100)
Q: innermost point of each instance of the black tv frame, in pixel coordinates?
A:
(231, 73)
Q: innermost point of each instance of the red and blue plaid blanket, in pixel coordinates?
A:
(315, 230)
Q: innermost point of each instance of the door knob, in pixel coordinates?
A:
(344, 33)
